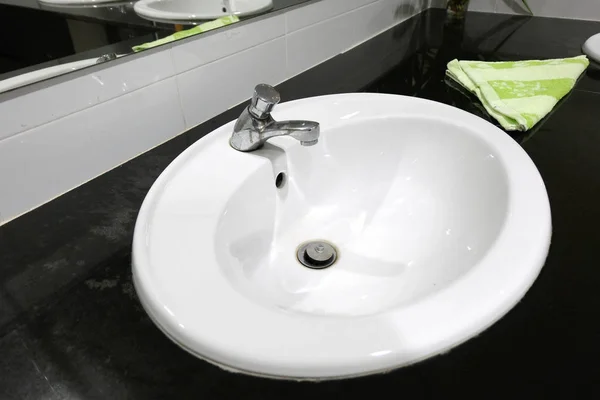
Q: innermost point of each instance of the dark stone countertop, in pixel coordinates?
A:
(71, 326)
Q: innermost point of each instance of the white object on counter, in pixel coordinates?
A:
(592, 49)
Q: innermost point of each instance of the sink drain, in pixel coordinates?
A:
(317, 254)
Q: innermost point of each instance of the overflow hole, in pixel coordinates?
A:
(280, 180)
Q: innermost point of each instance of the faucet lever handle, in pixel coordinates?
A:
(263, 101)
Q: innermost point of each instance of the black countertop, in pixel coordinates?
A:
(71, 326)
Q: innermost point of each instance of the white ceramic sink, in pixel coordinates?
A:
(441, 221)
(193, 10)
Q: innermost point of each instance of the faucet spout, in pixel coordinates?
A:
(307, 132)
(256, 125)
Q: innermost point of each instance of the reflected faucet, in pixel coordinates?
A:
(256, 125)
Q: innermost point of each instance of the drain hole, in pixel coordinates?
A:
(280, 180)
(317, 254)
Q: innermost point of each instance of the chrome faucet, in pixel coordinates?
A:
(256, 125)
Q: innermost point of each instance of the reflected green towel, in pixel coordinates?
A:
(518, 93)
(207, 26)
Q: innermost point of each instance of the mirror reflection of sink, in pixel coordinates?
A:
(441, 223)
(76, 2)
(50, 72)
(194, 10)
(44, 73)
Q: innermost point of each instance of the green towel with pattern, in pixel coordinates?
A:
(519, 93)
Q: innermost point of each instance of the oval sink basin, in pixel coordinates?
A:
(194, 10)
(440, 221)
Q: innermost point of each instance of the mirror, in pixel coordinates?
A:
(47, 38)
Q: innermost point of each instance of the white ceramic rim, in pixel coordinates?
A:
(396, 338)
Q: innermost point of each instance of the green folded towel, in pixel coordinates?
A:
(520, 93)
(207, 26)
